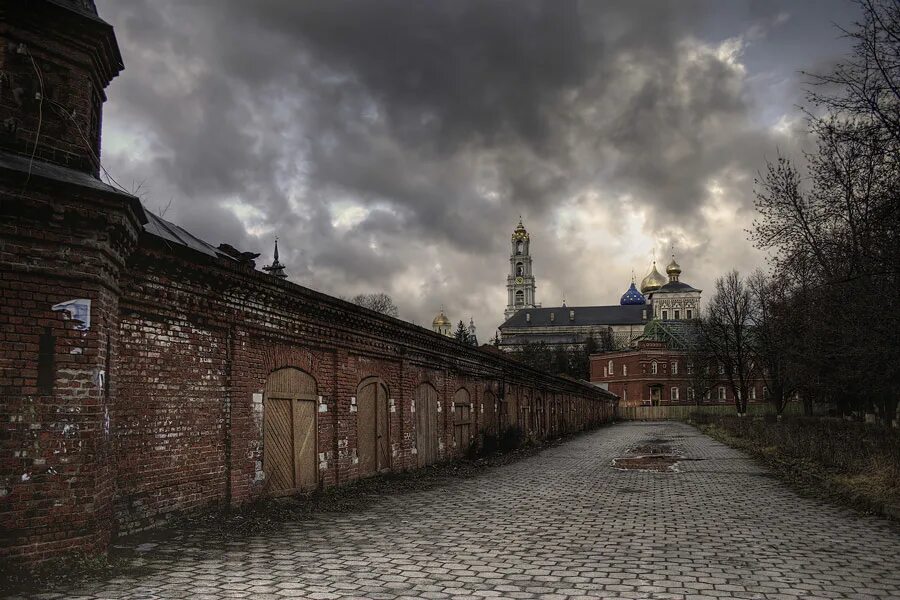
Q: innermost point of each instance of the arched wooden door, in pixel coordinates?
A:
(462, 420)
(427, 430)
(373, 435)
(289, 431)
(489, 414)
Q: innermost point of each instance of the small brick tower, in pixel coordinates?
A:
(64, 239)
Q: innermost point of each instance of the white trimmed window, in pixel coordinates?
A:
(721, 392)
(690, 368)
(605, 372)
(690, 314)
(753, 393)
(677, 314)
(624, 370)
(673, 394)
(609, 367)
(665, 315)
(654, 368)
(674, 367)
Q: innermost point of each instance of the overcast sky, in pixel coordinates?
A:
(392, 145)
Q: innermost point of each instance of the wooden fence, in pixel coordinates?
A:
(683, 412)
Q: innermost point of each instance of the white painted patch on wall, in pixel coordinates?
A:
(256, 407)
(392, 404)
(353, 404)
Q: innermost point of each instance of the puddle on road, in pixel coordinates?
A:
(653, 455)
(659, 463)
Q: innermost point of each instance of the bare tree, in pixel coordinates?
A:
(833, 226)
(379, 302)
(701, 370)
(727, 335)
(773, 336)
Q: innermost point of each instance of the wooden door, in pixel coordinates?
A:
(462, 420)
(512, 411)
(489, 416)
(289, 431)
(383, 429)
(373, 428)
(427, 431)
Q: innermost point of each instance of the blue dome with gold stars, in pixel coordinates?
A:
(632, 297)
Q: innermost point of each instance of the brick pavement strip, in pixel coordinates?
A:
(562, 525)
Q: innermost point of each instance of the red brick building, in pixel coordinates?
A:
(145, 372)
(653, 374)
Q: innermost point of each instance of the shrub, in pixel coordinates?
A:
(489, 444)
(511, 439)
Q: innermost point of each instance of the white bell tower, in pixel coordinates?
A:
(520, 281)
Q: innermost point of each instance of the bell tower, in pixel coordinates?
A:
(520, 281)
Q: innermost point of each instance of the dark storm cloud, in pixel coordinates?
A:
(442, 121)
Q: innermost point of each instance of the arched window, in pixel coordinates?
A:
(520, 298)
(654, 368)
(520, 269)
(520, 247)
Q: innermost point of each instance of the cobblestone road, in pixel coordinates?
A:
(561, 525)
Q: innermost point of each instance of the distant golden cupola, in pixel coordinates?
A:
(653, 281)
(673, 270)
(441, 323)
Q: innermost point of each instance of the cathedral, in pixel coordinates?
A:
(661, 298)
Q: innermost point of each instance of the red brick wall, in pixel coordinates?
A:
(56, 447)
(54, 84)
(200, 336)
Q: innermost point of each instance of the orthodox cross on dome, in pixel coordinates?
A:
(276, 269)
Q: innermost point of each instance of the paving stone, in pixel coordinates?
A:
(562, 525)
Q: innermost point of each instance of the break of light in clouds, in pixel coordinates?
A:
(392, 145)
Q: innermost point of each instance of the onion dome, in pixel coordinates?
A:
(673, 269)
(632, 297)
(653, 281)
(441, 320)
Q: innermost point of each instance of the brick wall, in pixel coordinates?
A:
(56, 380)
(199, 337)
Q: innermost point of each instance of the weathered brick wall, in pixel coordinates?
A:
(200, 336)
(56, 452)
(53, 85)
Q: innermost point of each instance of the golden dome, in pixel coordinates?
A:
(520, 233)
(441, 319)
(673, 268)
(653, 281)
